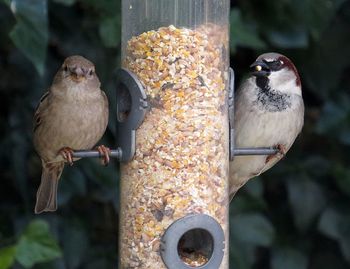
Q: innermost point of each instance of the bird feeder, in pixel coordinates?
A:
(175, 134)
(173, 101)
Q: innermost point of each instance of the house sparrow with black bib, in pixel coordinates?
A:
(269, 112)
(71, 115)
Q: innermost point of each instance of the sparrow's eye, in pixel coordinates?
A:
(276, 65)
(65, 68)
(91, 72)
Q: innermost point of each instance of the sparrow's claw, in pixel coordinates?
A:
(67, 154)
(104, 153)
(281, 151)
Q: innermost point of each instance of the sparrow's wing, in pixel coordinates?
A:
(38, 110)
(105, 100)
(297, 124)
(106, 108)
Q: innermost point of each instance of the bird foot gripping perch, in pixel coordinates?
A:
(102, 151)
(67, 154)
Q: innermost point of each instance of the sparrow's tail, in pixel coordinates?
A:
(46, 197)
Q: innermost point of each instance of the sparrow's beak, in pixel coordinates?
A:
(260, 69)
(78, 74)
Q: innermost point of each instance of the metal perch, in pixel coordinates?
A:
(117, 153)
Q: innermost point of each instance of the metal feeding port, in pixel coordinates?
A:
(132, 106)
(194, 241)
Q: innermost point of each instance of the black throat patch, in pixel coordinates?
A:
(270, 99)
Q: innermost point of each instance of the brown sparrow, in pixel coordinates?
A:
(72, 115)
(269, 112)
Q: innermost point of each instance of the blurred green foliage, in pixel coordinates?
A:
(35, 245)
(296, 216)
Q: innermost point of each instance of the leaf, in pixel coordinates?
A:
(329, 223)
(252, 228)
(306, 199)
(336, 225)
(288, 258)
(242, 34)
(110, 31)
(30, 34)
(7, 257)
(37, 245)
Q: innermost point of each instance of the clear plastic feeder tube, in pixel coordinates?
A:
(179, 51)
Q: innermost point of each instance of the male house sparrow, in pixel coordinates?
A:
(269, 111)
(72, 115)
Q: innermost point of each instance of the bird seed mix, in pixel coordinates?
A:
(181, 161)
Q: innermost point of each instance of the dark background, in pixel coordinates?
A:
(295, 216)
